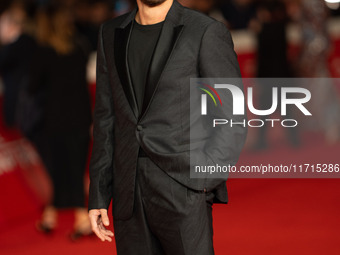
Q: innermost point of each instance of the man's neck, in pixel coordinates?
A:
(147, 15)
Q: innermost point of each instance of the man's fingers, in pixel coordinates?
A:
(93, 220)
(106, 231)
(105, 218)
(108, 238)
(98, 233)
(98, 219)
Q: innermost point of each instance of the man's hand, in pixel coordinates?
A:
(99, 219)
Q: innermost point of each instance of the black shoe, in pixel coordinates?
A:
(79, 234)
(44, 228)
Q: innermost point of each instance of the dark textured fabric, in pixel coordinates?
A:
(15, 60)
(272, 57)
(190, 45)
(142, 43)
(63, 137)
(168, 217)
(66, 97)
(65, 156)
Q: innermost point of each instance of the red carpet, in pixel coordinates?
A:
(264, 216)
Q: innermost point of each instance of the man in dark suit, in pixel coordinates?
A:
(141, 153)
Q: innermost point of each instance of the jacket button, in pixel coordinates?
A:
(139, 127)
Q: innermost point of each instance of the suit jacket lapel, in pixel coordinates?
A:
(170, 34)
(121, 42)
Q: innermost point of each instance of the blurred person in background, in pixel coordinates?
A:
(123, 6)
(204, 6)
(315, 39)
(59, 71)
(208, 7)
(16, 53)
(270, 26)
(313, 63)
(238, 13)
(89, 14)
(272, 61)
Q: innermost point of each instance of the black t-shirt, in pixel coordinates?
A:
(141, 47)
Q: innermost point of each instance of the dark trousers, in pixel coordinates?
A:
(168, 217)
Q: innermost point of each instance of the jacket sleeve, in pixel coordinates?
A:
(101, 164)
(217, 56)
(218, 60)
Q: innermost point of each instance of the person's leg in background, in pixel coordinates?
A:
(66, 161)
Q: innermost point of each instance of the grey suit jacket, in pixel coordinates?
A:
(190, 45)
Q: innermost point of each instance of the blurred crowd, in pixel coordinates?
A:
(44, 50)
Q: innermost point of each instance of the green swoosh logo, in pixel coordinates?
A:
(206, 91)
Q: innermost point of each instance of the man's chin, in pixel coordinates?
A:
(153, 3)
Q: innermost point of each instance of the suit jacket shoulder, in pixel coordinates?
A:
(115, 22)
(194, 18)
